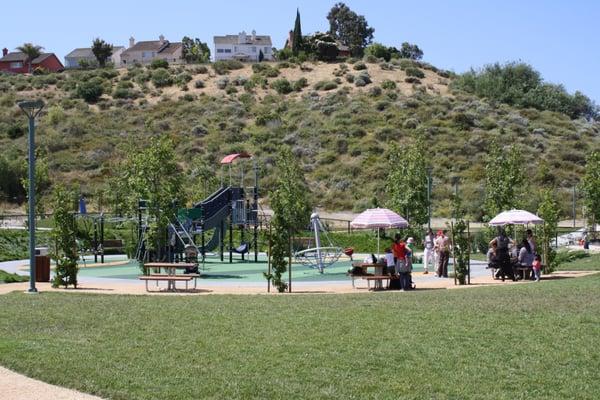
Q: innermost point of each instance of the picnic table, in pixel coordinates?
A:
(171, 277)
(378, 273)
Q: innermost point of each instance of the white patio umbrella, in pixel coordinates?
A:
(378, 218)
(515, 217)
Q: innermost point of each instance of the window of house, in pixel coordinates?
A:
(266, 50)
(16, 64)
(220, 50)
(254, 49)
(235, 48)
(227, 50)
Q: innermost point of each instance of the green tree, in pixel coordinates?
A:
(42, 182)
(64, 235)
(406, 183)
(379, 51)
(411, 51)
(152, 174)
(202, 180)
(297, 35)
(548, 210)
(291, 212)
(349, 28)
(503, 179)
(590, 187)
(194, 50)
(32, 52)
(102, 51)
(90, 90)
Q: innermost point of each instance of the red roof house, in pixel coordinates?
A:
(16, 62)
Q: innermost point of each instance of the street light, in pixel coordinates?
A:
(32, 110)
(429, 170)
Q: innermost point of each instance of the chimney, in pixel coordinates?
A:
(131, 41)
(253, 35)
(4, 52)
(161, 38)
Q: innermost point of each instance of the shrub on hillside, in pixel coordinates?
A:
(223, 67)
(90, 90)
(199, 84)
(416, 72)
(359, 66)
(156, 64)
(300, 84)
(161, 78)
(412, 79)
(325, 85)
(363, 79)
(388, 84)
(282, 86)
(223, 82)
(201, 69)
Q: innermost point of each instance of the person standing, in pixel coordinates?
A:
(428, 252)
(531, 241)
(443, 245)
(399, 250)
(537, 267)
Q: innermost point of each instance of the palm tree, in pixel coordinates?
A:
(32, 51)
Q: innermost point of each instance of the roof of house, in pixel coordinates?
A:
(87, 52)
(154, 45)
(261, 40)
(18, 56)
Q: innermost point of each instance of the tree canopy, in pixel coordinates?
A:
(590, 186)
(297, 35)
(349, 28)
(102, 51)
(194, 50)
(406, 183)
(411, 51)
(32, 52)
(503, 178)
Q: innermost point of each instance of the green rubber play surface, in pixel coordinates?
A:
(248, 271)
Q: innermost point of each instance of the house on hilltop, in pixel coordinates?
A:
(243, 47)
(73, 59)
(17, 63)
(147, 51)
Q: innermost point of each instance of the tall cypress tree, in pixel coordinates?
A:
(297, 36)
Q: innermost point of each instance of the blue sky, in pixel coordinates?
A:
(559, 38)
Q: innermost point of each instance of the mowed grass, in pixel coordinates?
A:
(589, 263)
(529, 341)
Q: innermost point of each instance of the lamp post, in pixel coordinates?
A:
(32, 110)
(429, 170)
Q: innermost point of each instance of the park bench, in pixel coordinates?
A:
(170, 279)
(112, 246)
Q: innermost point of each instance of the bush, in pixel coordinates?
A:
(359, 66)
(412, 79)
(223, 67)
(15, 131)
(282, 86)
(161, 78)
(416, 72)
(362, 79)
(325, 85)
(388, 84)
(375, 91)
(200, 69)
(223, 82)
(349, 78)
(90, 90)
(156, 64)
(239, 81)
(300, 84)
(183, 78)
(199, 84)
(377, 50)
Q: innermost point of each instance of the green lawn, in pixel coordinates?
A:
(6, 277)
(590, 262)
(531, 341)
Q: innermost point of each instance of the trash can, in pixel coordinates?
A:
(42, 268)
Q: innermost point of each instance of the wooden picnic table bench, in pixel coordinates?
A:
(170, 279)
(378, 279)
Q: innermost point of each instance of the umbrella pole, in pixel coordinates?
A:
(378, 243)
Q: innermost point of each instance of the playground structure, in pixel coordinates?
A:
(201, 229)
(318, 256)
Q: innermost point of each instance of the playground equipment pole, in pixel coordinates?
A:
(102, 237)
(95, 240)
(290, 261)
(255, 211)
(574, 205)
(315, 223)
(32, 110)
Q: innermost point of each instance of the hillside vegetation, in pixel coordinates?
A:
(338, 118)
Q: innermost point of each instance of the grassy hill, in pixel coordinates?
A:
(337, 117)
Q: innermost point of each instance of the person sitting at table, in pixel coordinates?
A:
(525, 258)
(502, 255)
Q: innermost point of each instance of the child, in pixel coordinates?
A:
(537, 267)
(389, 261)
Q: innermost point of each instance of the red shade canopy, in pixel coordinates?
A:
(231, 157)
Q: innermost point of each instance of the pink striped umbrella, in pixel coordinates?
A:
(378, 218)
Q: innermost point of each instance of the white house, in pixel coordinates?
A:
(243, 47)
(85, 53)
(147, 51)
